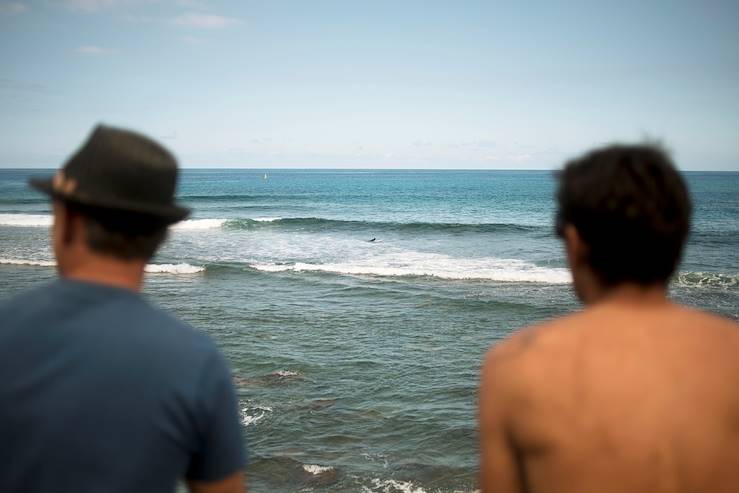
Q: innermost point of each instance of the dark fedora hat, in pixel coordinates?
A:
(119, 170)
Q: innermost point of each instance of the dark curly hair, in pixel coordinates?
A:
(631, 207)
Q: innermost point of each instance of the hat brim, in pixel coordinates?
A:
(169, 214)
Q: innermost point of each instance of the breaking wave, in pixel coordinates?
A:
(36, 263)
(194, 224)
(322, 224)
(150, 268)
(303, 224)
(26, 220)
(173, 269)
(416, 264)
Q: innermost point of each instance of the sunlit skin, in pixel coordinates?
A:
(75, 260)
(632, 394)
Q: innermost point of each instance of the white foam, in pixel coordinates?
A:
(286, 373)
(214, 223)
(150, 268)
(391, 486)
(45, 220)
(433, 265)
(706, 280)
(173, 269)
(199, 224)
(274, 267)
(251, 415)
(266, 219)
(26, 220)
(38, 263)
(316, 469)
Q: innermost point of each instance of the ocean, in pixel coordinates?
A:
(355, 306)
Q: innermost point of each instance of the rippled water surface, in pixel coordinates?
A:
(356, 361)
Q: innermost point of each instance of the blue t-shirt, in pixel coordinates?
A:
(100, 391)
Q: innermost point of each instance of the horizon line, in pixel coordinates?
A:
(288, 168)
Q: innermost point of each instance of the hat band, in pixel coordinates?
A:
(62, 184)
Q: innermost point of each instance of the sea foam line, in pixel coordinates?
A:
(317, 223)
(198, 224)
(26, 220)
(417, 264)
(173, 269)
(150, 268)
(36, 263)
(45, 220)
(267, 219)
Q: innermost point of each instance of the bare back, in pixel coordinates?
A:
(616, 399)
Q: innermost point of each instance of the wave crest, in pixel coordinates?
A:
(301, 223)
(150, 268)
(322, 224)
(198, 224)
(416, 264)
(26, 220)
(36, 263)
(173, 269)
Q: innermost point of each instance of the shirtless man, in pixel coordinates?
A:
(634, 393)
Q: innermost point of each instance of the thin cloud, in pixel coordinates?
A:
(204, 21)
(12, 8)
(93, 50)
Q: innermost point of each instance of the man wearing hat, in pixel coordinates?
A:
(100, 391)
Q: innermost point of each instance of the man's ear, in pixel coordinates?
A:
(577, 250)
(73, 225)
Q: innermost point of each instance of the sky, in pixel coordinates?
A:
(374, 84)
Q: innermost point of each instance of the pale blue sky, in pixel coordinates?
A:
(398, 84)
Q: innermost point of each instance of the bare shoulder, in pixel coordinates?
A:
(708, 318)
(539, 337)
(529, 346)
(515, 369)
(705, 323)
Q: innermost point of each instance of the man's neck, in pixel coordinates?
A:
(633, 295)
(111, 272)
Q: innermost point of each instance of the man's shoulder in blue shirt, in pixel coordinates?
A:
(103, 392)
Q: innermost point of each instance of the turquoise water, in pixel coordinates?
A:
(357, 361)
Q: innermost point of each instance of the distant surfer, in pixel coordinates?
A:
(372, 240)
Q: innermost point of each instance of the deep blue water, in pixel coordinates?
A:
(361, 356)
